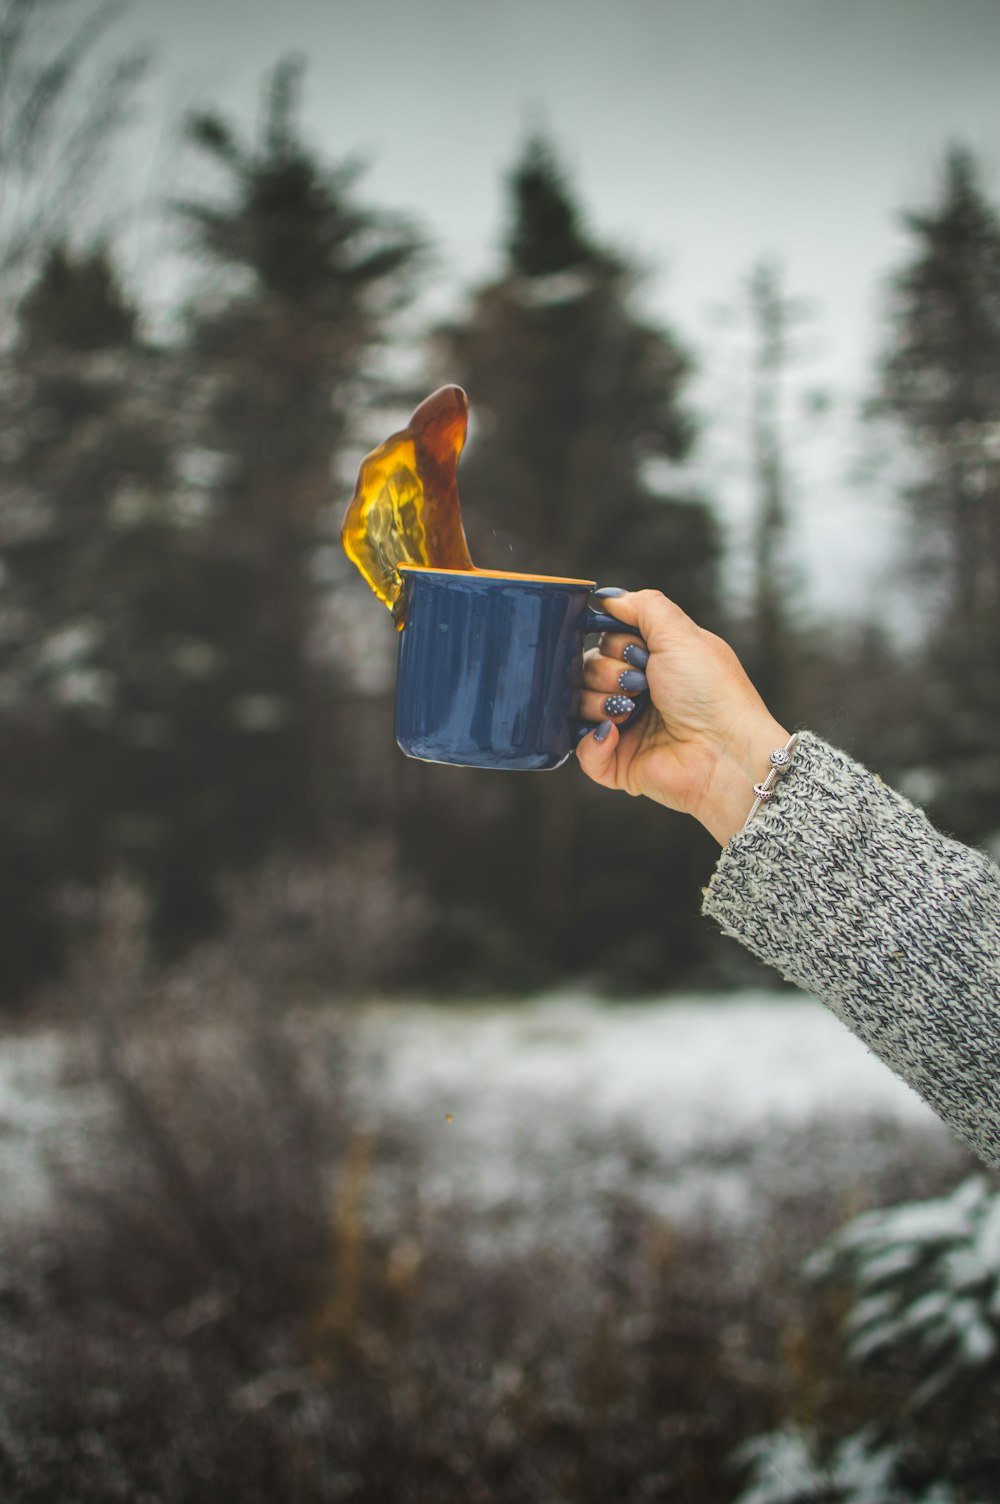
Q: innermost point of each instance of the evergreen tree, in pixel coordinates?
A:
(83, 472)
(576, 414)
(285, 358)
(941, 381)
(918, 1294)
(575, 398)
(770, 651)
(158, 646)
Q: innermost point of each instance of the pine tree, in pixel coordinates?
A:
(918, 1288)
(83, 472)
(576, 414)
(941, 381)
(285, 359)
(575, 402)
(770, 647)
(124, 650)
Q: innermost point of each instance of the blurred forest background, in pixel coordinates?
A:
(193, 686)
(233, 1267)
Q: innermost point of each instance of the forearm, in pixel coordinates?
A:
(849, 891)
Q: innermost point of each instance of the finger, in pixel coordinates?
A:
(614, 644)
(597, 752)
(626, 649)
(636, 654)
(615, 707)
(611, 676)
(660, 620)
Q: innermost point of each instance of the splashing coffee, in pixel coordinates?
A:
(405, 508)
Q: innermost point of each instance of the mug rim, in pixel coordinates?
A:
(496, 574)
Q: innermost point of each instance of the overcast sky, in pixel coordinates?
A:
(699, 134)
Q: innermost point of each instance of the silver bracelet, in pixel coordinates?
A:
(780, 760)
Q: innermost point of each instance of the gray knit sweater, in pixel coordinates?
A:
(851, 893)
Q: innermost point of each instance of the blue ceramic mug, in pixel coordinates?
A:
(490, 665)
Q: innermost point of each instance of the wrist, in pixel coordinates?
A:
(741, 762)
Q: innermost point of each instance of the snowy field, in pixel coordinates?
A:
(546, 1108)
(698, 1105)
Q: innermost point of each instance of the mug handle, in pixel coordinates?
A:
(600, 621)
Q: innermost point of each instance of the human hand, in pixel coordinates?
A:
(707, 735)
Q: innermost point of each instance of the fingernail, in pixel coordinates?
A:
(619, 705)
(632, 679)
(601, 731)
(608, 592)
(636, 654)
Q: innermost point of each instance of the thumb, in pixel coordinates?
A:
(660, 620)
(597, 753)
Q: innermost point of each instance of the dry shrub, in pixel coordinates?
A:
(345, 925)
(294, 930)
(216, 1309)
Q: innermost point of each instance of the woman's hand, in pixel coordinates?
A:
(706, 737)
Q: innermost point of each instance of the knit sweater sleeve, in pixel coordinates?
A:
(851, 893)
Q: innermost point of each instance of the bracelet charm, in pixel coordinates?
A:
(780, 761)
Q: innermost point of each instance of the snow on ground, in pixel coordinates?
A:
(688, 1069)
(690, 1102)
(38, 1107)
(549, 1107)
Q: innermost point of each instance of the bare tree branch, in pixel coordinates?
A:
(63, 98)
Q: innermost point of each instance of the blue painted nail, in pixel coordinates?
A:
(608, 592)
(636, 654)
(632, 679)
(619, 705)
(601, 731)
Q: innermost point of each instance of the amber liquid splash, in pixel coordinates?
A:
(405, 508)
